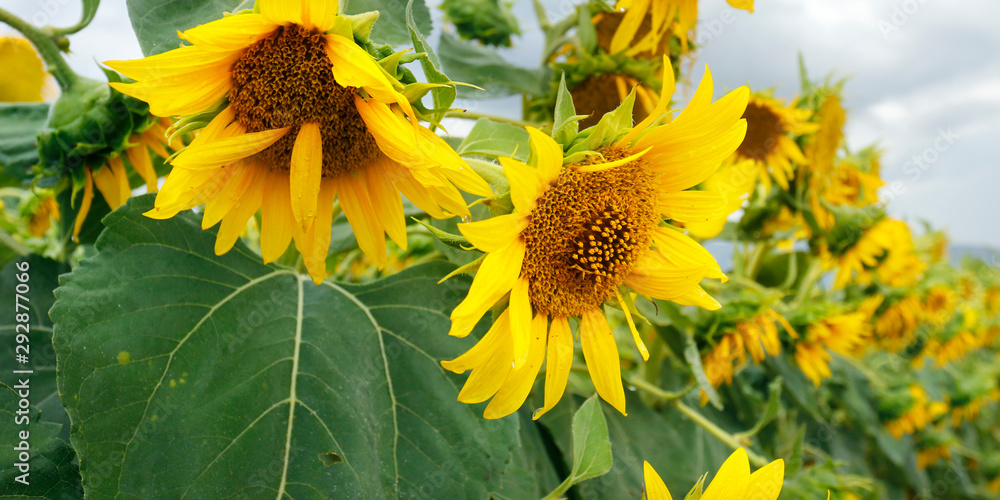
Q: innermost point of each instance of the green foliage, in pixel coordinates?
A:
(156, 22)
(488, 21)
(19, 124)
(257, 369)
(43, 276)
(54, 473)
(485, 68)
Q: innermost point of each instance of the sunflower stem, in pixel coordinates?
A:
(46, 48)
(719, 434)
(644, 385)
(813, 274)
(470, 115)
(7, 240)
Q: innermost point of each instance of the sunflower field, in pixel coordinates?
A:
(289, 253)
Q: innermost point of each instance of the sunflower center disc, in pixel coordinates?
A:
(764, 128)
(286, 80)
(598, 95)
(586, 233)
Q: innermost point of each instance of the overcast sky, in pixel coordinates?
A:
(924, 81)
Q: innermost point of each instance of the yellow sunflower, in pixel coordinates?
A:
(769, 148)
(758, 336)
(940, 304)
(111, 178)
(733, 481)
(680, 15)
(921, 413)
(29, 85)
(896, 327)
(600, 94)
(585, 233)
(886, 249)
(844, 334)
(309, 117)
(929, 456)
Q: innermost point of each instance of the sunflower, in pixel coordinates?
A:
(758, 336)
(598, 94)
(586, 233)
(969, 410)
(43, 215)
(18, 56)
(844, 334)
(931, 455)
(896, 327)
(307, 117)
(733, 480)
(111, 178)
(678, 15)
(769, 148)
(939, 305)
(885, 248)
(922, 412)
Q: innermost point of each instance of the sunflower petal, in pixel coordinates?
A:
(282, 12)
(276, 217)
(693, 206)
(88, 197)
(520, 321)
(548, 154)
(732, 479)
(558, 361)
(496, 277)
(306, 173)
(491, 234)
(364, 221)
(518, 384)
(525, 183)
(222, 152)
(235, 222)
(653, 485)
(601, 354)
(765, 483)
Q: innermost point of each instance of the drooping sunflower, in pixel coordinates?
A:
(921, 413)
(680, 16)
(885, 249)
(940, 304)
(306, 116)
(841, 333)
(585, 233)
(733, 481)
(111, 178)
(896, 326)
(757, 336)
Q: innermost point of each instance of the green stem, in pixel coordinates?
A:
(46, 48)
(469, 115)
(812, 276)
(558, 492)
(643, 385)
(753, 262)
(9, 241)
(719, 434)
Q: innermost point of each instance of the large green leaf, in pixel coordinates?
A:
(19, 125)
(42, 274)
(156, 22)
(493, 139)
(391, 25)
(52, 470)
(187, 374)
(485, 68)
